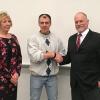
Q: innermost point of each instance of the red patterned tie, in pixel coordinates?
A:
(78, 40)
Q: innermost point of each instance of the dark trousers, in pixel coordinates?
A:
(12, 96)
(79, 93)
(9, 96)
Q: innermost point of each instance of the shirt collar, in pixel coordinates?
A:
(45, 36)
(85, 32)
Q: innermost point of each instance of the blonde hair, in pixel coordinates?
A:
(4, 14)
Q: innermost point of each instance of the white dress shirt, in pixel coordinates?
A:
(83, 35)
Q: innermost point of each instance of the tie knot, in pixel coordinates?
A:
(79, 34)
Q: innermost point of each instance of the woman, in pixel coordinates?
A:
(10, 59)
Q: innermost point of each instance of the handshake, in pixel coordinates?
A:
(54, 56)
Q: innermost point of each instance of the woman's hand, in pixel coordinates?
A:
(14, 78)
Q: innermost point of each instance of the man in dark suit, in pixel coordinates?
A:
(85, 61)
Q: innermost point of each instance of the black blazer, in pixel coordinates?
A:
(85, 61)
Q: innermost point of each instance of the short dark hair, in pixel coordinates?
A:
(45, 15)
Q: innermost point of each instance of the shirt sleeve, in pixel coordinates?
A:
(18, 61)
(35, 54)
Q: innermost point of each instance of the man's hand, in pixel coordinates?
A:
(58, 58)
(99, 84)
(49, 54)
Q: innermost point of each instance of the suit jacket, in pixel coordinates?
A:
(85, 61)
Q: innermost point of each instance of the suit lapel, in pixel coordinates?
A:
(74, 42)
(86, 39)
